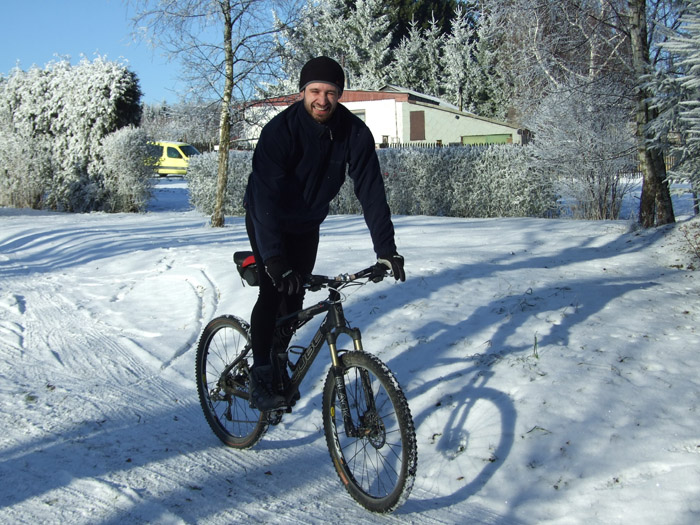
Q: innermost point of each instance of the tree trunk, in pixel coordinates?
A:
(217, 218)
(655, 206)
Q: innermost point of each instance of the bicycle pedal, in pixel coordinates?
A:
(274, 417)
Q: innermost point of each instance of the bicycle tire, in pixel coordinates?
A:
(225, 401)
(378, 470)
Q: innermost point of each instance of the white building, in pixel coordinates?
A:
(401, 116)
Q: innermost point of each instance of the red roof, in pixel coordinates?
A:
(349, 95)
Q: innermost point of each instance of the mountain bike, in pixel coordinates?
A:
(366, 418)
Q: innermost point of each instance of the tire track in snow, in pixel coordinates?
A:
(208, 301)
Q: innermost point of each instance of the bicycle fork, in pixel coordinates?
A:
(351, 430)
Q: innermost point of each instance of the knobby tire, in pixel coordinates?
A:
(224, 399)
(379, 468)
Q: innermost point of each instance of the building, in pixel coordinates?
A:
(400, 116)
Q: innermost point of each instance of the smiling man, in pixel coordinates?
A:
(299, 165)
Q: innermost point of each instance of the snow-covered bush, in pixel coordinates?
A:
(417, 180)
(123, 164)
(469, 181)
(585, 142)
(25, 167)
(72, 108)
(202, 181)
(487, 181)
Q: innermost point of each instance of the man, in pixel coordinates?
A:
(299, 166)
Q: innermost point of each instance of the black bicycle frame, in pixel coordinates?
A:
(332, 326)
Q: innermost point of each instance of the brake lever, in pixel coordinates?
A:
(379, 271)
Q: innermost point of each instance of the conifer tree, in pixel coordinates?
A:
(677, 99)
(406, 69)
(458, 61)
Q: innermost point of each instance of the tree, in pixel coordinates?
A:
(656, 207)
(459, 60)
(226, 46)
(578, 138)
(614, 41)
(677, 98)
(64, 112)
(433, 41)
(194, 122)
(358, 37)
(320, 30)
(367, 45)
(403, 14)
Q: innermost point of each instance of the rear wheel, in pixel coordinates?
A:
(376, 460)
(222, 368)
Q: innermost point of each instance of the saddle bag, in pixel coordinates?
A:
(247, 267)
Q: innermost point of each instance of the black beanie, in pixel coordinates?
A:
(322, 69)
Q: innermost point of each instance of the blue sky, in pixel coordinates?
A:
(33, 32)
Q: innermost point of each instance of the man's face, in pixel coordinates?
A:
(320, 100)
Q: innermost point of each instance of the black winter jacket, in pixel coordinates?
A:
(299, 166)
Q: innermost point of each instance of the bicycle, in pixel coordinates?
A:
(366, 419)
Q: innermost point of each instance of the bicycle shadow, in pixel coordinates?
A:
(460, 400)
(473, 432)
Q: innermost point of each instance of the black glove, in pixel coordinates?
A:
(283, 277)
(394, 262)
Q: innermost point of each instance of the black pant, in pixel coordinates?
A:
(299, 250)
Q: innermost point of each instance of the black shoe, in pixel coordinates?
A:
(287, 381)
(262, 395)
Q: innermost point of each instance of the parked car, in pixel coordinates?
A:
(171, 158)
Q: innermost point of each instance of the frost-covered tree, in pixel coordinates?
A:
(417, 60)
(358, 37)
(195, 123)
(434, 41)
(459, 61)
(579, 140)
(70, 108)
(367, 45)
(491, 92)
(406, 70)
(551, 43)
(320, 30)
(677, 98)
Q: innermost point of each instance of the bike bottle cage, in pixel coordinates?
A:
(247, 267)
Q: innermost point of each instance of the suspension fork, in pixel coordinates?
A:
(336, 320)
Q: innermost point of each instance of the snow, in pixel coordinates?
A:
(551, 367)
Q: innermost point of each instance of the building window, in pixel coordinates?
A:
(360, 113)
(417, 125)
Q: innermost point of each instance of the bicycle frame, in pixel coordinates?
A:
(332, 327)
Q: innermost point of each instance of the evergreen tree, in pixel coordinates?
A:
(458, 62)
(358, 37)
(407, 68)
(432, 57)
(491, 92)
(367, 45)
(677, 98)
(403, 14)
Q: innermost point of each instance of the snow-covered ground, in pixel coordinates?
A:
(552, 368)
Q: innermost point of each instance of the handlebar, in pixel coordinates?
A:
(374, 273)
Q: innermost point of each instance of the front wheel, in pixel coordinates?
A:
(376, 458)
(222, 369)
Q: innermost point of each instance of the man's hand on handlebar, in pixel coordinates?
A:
(394, 262)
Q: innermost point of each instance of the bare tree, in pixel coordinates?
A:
(226, 47)
(556, 41)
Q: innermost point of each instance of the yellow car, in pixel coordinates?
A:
(171, 158)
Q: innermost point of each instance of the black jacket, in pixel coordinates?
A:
(299, 167)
